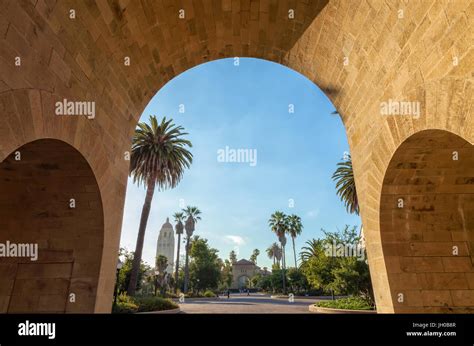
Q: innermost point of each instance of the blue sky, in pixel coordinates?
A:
(247, 107)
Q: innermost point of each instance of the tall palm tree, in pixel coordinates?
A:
(192, 214)
(178, 218)
(278, 253)
(159, 157)
(271, 253)
(295, 227)
(255, 254)
(345, 185)
(279, 224)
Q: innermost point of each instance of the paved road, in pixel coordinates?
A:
(241, 304)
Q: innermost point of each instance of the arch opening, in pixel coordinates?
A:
(427, 224)
(50, 207)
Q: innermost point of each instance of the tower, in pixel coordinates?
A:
(165, 245)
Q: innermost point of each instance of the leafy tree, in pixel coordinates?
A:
(226, 274)
(340, 275)
(159, 157)
(232, 257)
(161, 265)
(297, 281)
(205, 271)
(126, 270)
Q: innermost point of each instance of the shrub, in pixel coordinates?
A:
(146, 304)
(125, 305)
(129, 305)
(124, 308)
(350, 303)
(209, 294)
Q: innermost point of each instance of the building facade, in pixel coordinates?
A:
(243, 271)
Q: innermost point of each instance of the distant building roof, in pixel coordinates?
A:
(167, 224)
(243, 262)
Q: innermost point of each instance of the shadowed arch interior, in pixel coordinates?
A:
(427, 223)
(38, 182)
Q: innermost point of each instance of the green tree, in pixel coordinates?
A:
(160, 266)
(255, 254)
(226, 274)
(333, 272)
(205, 271)
(159, 157)
(295, 227)
(126, 270)
(297, 281)
(232, 257)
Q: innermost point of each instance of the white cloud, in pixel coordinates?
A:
(234, 239)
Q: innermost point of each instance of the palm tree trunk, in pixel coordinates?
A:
(176, 276)
(137, 257)
(294, 251)
(283, 268)
(186, 267)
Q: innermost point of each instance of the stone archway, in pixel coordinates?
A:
(118, 54)
(427, 224)
(243, 281)
(50, 200)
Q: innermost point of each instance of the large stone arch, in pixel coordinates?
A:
(361, 53)
(427, 223)
(51, 208)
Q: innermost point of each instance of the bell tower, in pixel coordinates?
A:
(165, 244)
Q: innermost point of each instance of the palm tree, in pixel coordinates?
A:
(311, 250)
(255, 254)
(192, 214)
(278, 253)
(345, 185)
(295, 227)
(271, 253)
(346, 188)
(178, 218)
(279, 224)
(159, 157)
